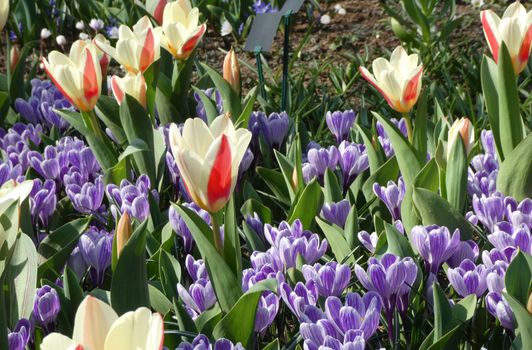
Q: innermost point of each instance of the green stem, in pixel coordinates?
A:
(93, 124)
(216, 235)
(409, 127)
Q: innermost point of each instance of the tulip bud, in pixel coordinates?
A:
(133, 85)
(461, 127)
(231, 70)
(123, 232)
(4, 13)
(14, 56)
(529, 304)
(294, 179)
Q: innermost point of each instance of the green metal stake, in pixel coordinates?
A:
(260, 72)
(286, 49)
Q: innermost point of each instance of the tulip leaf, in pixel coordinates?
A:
(276, 183)
(396, 243)
(510, 122)
(405, 153)
(274, 345)
(243, 119)
(232, 251)
(206, 322)
(456, 175)
(21, 275)
(352, 227)
(136, 145)
(489, 78)
(184, 320)
(55, 248)
(129, 286)
(428, 176)
(337, 241)
(523, 332)
(409, 214)
(107, 110)
(230, 98)
(517, 278)
(376, 156)
(211, 111)
(16, 84)
(166, 111)
(515, 173)
(169, 273)
(331, 187)
(287, 169)
(307, 205)
(420, 128)
(181, 78)
(225, 283)
(158, 301)
(433, 209)
(239, 323)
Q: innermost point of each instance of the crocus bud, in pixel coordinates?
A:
(156, 9)
(398, 80)
(46, 307)
(514, 29)
(78, 76)
(231, 70)
(133, 85)
(14, 56)
(461, 127)
(123, 232)
(4, 13)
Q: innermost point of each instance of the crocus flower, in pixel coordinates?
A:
(87, 198)
(181, 28)
(201, 342)
(266, 311)
(200, 295)
(507, 235)
(96, 249)
(135, 49)
(435, 244)
(43, 200)
(499, 308)
(260, 6)
(468, 278)
(336, 213)
(340, 123)
(255, 223)
(272, 128)
(98, 327)
(323, 158)
(215, 96)
(465, 250)
(489, 210)
(46, 307)
(514, 29)
(353, 160)
(18, 339)
(300, 297)
(464, 129)
(208, 158)
(133, 85)
(398, 80)
(4, 13)
(78, 76)
(392, 196)
(133, 198)
(369, 241)
(331, 278)
(231, 70)
(96, 24)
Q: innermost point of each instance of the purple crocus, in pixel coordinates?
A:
(435, 244)
(489, 210)
(200, 294)
(9, 171)
(309, 172)
(196, 268)
(212, 94)
(28, 134)
(331, 278)
(181, 229)
(336, 213)
(272, 128)
(76, 262)
(262, 6)
(392, 196)
(18, 339)
(323, 159)
(266, 311)
(499, 308)
(264, 266)
(46, 308)
(340, 123)
(465, 250)
(96, 247)
(201, 342)
(132, 198)
(507, 235)
(300, 297)
(468, 278)
(43, 200)
(87, 198)
(383, 138)
(369, 241)
(353, 160)
(255, 224)
(50, 164)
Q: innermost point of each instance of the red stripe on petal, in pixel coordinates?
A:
(492, 41)
(524, 52)
(410, 92)
(159, 10)
(191, 43)
(376, 86)
(91, 88)
(219, 186)
(117, 91)
(148, 51)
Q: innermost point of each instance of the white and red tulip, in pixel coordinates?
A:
(12, 192)
(135, 49)
(208, 158)
(156, 9)
(398, 80)
(78, 76)
(133, 85)
(98, 327)
(103, 58)
(514, 29)
(461, 128)
(4, 13)
(181, 28)
(231, 70)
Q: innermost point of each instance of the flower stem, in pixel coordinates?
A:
(408, 123)
(216, 235)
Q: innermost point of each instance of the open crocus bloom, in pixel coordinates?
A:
(98, 327)
(135, 49)
(78, 76)
(181, 28)
(133, 85)
(514, 29)
(208, 158)
(398, 80)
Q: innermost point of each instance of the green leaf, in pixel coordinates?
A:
(274, 345)
(331, 187)
(276, 183)
(232, 253)
(352, 228)
(107, 110)
(420, 128)
(515, 173)
(16, 85)
(456, 175)
(4, 106)
(169, 273)
(181, 79)
(183, 318)
(428, 177)
(239, 323)
(375, 153)
(230, 98)
(158, 301)
(73, 292)
(336, 240)
(396, 243)
(518, 277)
(386, 172)
(136, 145)
(287, 169)
(56, 247)
(308, 204)
(117, 173)
(523, 318)
(489, 78)
(211, 111)
(435, 210)
(443, 315)
(243, 119)
(510, 122)
(129, 286)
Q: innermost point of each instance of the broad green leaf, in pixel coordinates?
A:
(523, 318)
(136, 145)
(243, 119)
(396, 243)
(456, 175)
(374, 150)
(232, 253)
(107, 110)
(230, 98)
(276, 183)
(518, 278)
(287, 169)
(307, 205)
(211, 111)
(515, 173)
(158, 301)
(489, 78)
(331, 187)
(336, 240)
(169, 273)
(428, 177)
(73, 292)
(420, 128)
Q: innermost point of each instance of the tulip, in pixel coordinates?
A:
(14, 56)
(156, 9)
(78, 76)
(135, 49)
(102, 56)
(123, 232)
(133, 85)
(4, 13)
(181, 30)
(398, 80)
(208, 158)
(514, 29)
(231, 70)
(98, 327)
(464, 128)
(12, 191)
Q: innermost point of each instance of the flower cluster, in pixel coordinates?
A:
(133, 198)
(200, 294)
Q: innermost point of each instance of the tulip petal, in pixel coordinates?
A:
(93, 320)
(91, 83)
(138, 329)
(490, 23)
(56, 341)
(371, 79)
(148, 49)
(117, 90)
(193, 40)
(413, 87)
(220, 178)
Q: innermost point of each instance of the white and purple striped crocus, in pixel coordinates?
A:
(482, 175)
(435, 244)
(131, 197)
(321, 159)
(340, 123)
(201, 342)
(87, 197)
(299, 298)
(331, 278)
(353, 160)
(46, 308)
(336, 213)
(200, 294)
(468, 278)
(500, 309)
(272, 128)
(215, 96)
(96, 248)
(505, 235)
(489, 210)
(267, 309)
(18, 338)
(383, 138)
(465, 250)
(43, 200)
(392, 196)
(369, 241)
